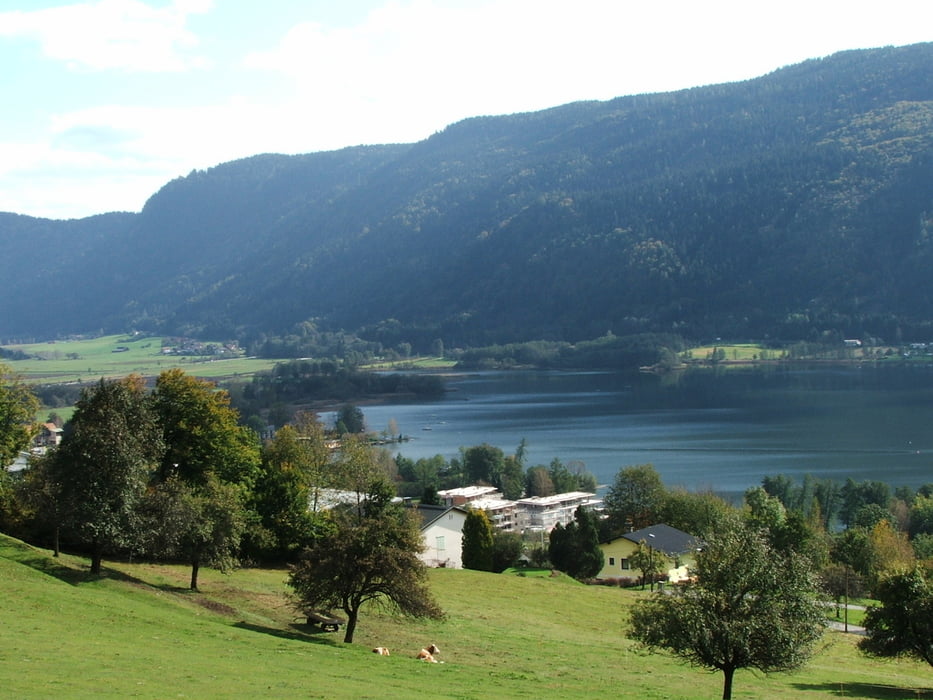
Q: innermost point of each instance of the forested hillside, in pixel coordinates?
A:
(787, 206)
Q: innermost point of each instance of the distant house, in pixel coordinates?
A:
(677, 547)
(49, 435)
(442, 530)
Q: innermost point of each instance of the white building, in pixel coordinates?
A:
(544, 512)
(442, 530)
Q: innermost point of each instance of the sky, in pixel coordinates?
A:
(102, 102)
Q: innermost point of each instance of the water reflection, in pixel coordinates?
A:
(718, 430)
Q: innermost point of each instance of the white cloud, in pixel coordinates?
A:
(112, 34)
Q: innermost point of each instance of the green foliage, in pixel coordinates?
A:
(478, 543)
(369, 559)
(507, 547)
(758, 208)
(921, 516)
(750, 607)
(903, 624)
(634, 498)
(287, 494)
(103, 464)
(18, 408)
(350, 420)
(199, 523)
(696, 513)
(574, 548)
(484, 464)
(201, 432)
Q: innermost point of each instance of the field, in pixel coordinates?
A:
(90, 359)
(137, 632)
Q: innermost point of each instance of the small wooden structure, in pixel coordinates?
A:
(326, 622)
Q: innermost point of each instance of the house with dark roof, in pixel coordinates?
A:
(442, 530)
(677, 548)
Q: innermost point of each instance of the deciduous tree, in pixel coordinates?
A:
(103, 464)
(371, 557)
(201, 433)
(18, 406)
(903, 624)
(634, 498)
(750, 607)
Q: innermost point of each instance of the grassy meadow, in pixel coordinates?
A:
(137, 632)
(90, 359)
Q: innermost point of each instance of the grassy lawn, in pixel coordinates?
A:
(413, 364)
(137, 632)
(742, 352)
(89, 360)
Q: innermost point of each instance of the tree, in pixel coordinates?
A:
(103, 464)
(696, 513)
(538, 482)
(295, 470)
(477, 541)
(634, 498)
(749, 607)
(202, 523)
(903, 624)
(574, 548)
(507, 547)
(18, 406)
(201, 433)
(649, 561)
(921, 516)
(483, 463)
(350, 420)
(365, 558)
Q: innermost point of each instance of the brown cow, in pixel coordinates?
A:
(428, 654)
(382, 651)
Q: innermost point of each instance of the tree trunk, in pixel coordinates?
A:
(351, 625)
(195, 565)
(728, 673)
(97, 557)
(56, 540)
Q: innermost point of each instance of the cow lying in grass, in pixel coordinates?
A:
(428, 654)
(382, 651)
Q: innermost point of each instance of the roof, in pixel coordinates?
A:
(664, 538)
(468, 491)
(430, 514)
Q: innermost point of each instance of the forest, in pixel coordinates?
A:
(779, 208)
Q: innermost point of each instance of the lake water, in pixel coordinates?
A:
(723, 431)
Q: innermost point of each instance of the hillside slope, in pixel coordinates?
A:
(792, 204)
(137, 632)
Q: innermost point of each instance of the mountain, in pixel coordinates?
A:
(793, 205)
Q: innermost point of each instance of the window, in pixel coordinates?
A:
(624, 564)
(439, 543)
(612, 561)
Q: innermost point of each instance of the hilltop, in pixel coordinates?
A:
(786, 207)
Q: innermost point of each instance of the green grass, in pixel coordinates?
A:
(136, 632)
(90, 359)
(742, 352)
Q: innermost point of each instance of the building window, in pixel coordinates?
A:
(612, 561)
(439, 543)
(624, 564)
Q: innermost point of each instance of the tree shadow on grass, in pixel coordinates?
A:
(296, 631)
(867, 690)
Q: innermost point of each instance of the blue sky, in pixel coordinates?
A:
(104, 101)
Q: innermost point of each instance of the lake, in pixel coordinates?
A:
(706, 429)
